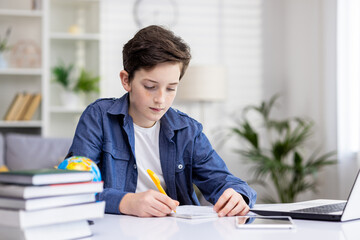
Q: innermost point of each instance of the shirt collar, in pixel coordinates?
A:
(120, 106)
(173, 121)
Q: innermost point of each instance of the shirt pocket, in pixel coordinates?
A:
(117, 161)
(183, 181)
(182, 172)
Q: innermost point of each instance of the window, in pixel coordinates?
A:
(348, 78)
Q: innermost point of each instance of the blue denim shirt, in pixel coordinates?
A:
(105, 134)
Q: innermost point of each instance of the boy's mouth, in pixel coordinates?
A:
(156, 109)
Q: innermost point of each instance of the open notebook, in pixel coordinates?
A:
(320, 209)
(194, 212)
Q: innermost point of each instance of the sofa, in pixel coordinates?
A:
(22, 151)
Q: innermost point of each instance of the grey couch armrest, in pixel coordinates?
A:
(34, 152)
(2, 150)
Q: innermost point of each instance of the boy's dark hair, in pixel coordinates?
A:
(153, 45)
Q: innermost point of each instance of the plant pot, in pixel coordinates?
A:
(3, 62)
(69, 99)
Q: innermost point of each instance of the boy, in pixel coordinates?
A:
(141, 131)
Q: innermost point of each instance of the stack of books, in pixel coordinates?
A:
(48, 204)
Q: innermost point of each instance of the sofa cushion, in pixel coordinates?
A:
(34, 152)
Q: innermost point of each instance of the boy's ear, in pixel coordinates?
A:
(124, 76)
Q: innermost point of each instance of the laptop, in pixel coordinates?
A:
(320, 209)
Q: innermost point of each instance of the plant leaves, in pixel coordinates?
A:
(61, 74)
(87, 83)
(289, 172)
(247, 132)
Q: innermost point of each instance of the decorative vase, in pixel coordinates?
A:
(3, 62)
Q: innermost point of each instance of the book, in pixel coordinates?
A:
(45, 176)
(33, 106)
(28, 192)
(10, 108)
(46, 202)
(18, 106)
(194, 212)
(26, 219)
(68, 230)
(23, 107)
(14, 106)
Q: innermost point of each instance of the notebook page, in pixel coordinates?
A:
(193, 212)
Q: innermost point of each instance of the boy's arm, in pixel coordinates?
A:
(88, 138)
(87, 142)
(212, 176)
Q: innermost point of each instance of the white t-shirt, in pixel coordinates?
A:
(147, 156)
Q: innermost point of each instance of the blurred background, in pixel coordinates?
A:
(69, 52)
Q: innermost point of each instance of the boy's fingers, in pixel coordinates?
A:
(229, 206)
(244, 211)
(222, 200)
(170, 203)
(240, 209)
(231, 203)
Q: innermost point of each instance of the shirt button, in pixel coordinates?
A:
(180, 166)
(135, 166)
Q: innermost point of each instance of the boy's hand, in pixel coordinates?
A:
(147, 204)
(231, 203)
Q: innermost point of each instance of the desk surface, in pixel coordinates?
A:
(128, 227)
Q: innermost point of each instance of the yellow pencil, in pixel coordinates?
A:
(156, 180)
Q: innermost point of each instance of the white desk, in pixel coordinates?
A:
(128, 227)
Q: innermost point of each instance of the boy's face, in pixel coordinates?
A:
(151, 92)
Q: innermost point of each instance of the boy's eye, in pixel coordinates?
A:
(149, 87)
(171, 89)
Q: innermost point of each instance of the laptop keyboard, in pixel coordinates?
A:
(323, 209)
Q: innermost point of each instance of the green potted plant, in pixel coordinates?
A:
(4, 47)
(82, 86)
(61, 75)
(87, 86)
(282, 160)
(87, 83)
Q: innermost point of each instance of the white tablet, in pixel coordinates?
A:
(270, 222)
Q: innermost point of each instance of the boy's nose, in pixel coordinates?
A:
(159, 97)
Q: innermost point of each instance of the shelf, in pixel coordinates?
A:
(69, 36)
(20, 124)
(20, 13)
(73, 36)
(21, 71)
(72, 2)
(60, 109)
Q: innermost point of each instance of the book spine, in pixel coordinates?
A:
(33, 106)
(11, 113)
(24, 105)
